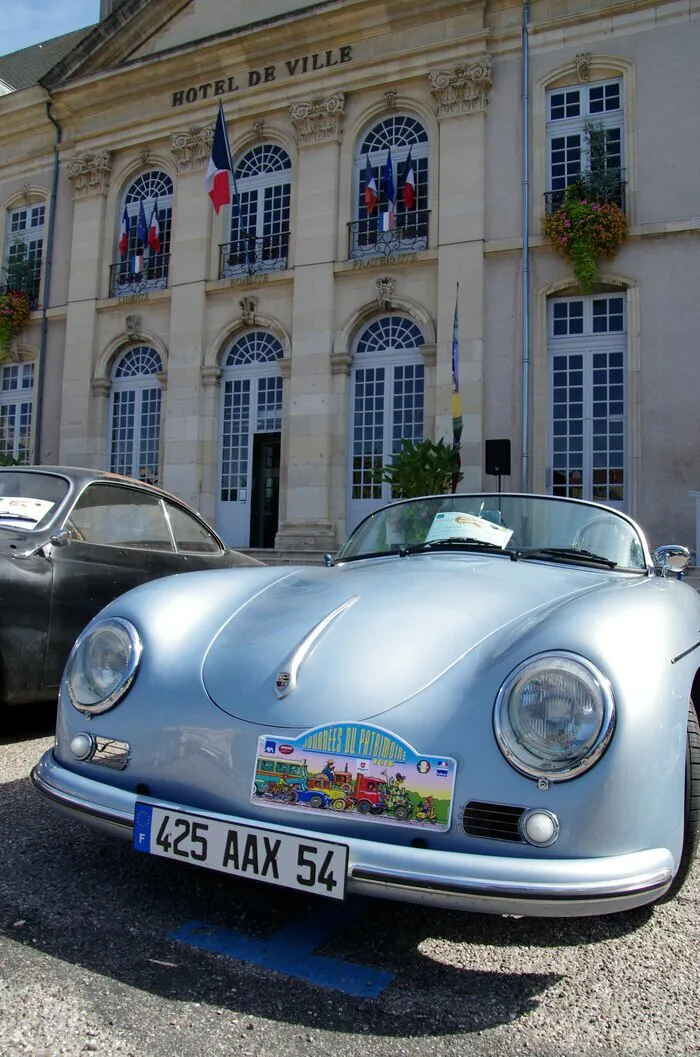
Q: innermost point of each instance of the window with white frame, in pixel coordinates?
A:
(16, 410)
(135, 411)
(24, 246)
(251, 403)
(378, 229)
(587, 354)
(144, 225)
(259, 225)
(388, 388)
(585, 140)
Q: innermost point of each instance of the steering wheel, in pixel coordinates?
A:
(613, 545)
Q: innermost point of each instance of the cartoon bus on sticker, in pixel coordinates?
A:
(272, 775)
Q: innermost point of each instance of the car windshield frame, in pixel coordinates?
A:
(23, 522)
(515, 525)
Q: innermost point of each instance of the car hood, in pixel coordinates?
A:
(350, 642)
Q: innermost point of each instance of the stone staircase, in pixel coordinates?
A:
(273, 557)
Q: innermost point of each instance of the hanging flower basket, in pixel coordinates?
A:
(582, 230)
(15, 309)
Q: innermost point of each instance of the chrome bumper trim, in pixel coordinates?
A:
(625, 881)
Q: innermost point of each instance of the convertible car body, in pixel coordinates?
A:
(71, 540)
(482, 701)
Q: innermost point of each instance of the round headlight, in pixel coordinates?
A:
(102, 665)
(554, 716)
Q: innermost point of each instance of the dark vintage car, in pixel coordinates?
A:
(71, 541)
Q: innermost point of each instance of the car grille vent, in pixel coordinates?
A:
(495, 821)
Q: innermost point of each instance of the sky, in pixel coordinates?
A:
(26, 22)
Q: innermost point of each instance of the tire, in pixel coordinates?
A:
(691, 814)
(316, 800)
(339, 804)
(401, 813)
(363, 807)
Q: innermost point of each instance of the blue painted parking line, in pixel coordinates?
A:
(290, 950)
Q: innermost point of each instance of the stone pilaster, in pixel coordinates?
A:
(305, 519)
(461, 96)
(82, 440)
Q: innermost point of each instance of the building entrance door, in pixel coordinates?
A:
(264, 511)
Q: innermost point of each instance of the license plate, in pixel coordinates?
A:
(304, 863)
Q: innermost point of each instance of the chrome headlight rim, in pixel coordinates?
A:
(595, 751)
(128, 676)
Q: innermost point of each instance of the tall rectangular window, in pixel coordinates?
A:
(24, 247)
(585, 141)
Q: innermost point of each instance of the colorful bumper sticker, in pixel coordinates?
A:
(358, 769)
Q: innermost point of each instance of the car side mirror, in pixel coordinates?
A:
(672, 558)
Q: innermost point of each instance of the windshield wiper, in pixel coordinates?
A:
(465, 542)
(569, 554)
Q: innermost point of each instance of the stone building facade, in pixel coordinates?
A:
(264, 362)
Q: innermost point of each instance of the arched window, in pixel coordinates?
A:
(251, 421)
(24, 248)
(259, 229)
(143, 235)
(388, 397)
(16, 410)
(391, 200)
(135, 414)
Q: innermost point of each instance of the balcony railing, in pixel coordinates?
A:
(27, 285)
(123, 279)
(409, 234)
(599, 186)
(249, 255)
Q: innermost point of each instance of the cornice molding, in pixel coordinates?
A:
(319, 120)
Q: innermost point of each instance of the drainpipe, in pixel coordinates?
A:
(526, 257)
(47, 288)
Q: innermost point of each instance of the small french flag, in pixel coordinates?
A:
(409, 182)
(371, 193)
(154, 230)
(123, 244)
(220, 168)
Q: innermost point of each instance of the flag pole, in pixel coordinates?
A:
(456, 398)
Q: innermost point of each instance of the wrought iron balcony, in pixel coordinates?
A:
(409, 234)
(607, 186)
(249, 255)
(123, 280)
(28, 285)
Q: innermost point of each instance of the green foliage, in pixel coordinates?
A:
(7, 460)
(19, 273)
(421, 469)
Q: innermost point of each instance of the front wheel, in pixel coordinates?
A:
(691, 812)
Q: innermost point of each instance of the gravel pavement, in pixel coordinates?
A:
(87, 965)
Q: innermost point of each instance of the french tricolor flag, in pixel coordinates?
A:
(123, 244)
(154, 230)
(371, 193)
(409, 182)
(220, 168)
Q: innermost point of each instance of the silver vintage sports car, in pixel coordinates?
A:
(482, 701)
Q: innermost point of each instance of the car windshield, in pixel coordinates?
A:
(28, 500)
(523, 526)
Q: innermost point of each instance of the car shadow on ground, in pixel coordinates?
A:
(24, 722)
(88, 899)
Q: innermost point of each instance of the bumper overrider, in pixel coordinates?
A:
(495, 884)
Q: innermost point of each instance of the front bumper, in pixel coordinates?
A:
(490, 884)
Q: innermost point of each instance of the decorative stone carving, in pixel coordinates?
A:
(385, 290)
(463, 89)
(248, 306)
(320, 120)
(259, 129)
(132, 325)
(26, 194)
(583, 67)
(390, 98)
(145, 157)
(192, 148)
(90, 174)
